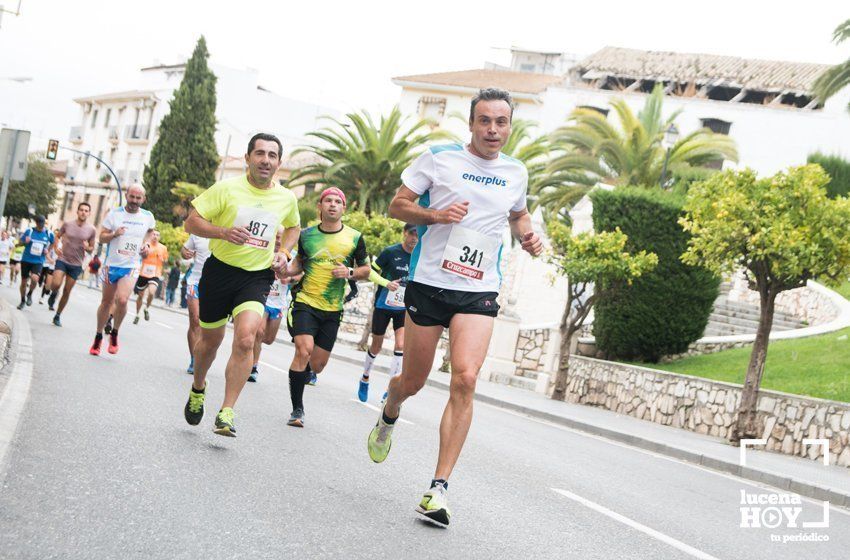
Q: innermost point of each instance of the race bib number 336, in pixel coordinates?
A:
(261, 226)
(469, 253)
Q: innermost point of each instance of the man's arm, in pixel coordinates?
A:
(404, 208)
(201, 227)
(56, 240)
(521, 230)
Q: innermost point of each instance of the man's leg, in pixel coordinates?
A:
(33, 284)
(106, 299)
(421, 347)
(140, 295)
(122, 296)
(66, 293)
(299, 375)
(469, 339)
(271, 329)
(194, 331)
(151, 290)
(24, 279)
(204, 352)
(245, 327)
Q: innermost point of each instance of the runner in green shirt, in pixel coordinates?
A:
(241, 217)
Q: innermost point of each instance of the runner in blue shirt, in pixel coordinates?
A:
(38, 241)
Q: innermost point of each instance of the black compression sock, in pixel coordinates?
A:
(201, 392)
(297, 381)
(442, 482)
(387, 419)
(98, 335)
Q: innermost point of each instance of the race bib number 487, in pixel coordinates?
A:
(261, 226)
(469, 253)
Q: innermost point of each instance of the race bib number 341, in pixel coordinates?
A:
(261, 226)
(469, 253)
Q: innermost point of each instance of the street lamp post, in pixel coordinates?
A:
(671, 135)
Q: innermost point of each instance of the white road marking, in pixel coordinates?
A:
(376, 409)
(164, 325)
(17, 389)
(268, 365)
(722, 474)
(687, 549)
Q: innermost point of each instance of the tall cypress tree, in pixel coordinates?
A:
(185, 150)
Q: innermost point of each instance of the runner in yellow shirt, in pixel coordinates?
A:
(241, 217)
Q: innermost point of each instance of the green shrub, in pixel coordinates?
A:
(684, 175)
(665, 310)
(838, 170)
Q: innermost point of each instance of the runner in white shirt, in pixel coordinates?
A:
(6, 247)
(197, 249)
(468, 196)
(277, 301)
(126, 230)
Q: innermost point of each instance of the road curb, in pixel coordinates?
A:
(16, 391)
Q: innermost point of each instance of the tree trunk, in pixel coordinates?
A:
(559, 393)
(745, 426)
(363, 345)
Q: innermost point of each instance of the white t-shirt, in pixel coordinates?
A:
(464, 256)
(277, 295)
(201, 247)
(6, 246)
(123, 251)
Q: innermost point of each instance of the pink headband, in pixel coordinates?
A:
(333, 190)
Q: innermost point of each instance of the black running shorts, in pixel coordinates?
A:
(429, 306)
(381, 320)
(28, 268)
(321, 325)
(143, 282)
(226, 290)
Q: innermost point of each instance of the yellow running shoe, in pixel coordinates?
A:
(225, 423)
(434, 506)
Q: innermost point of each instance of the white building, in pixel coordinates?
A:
(764, 105)
(122, 128)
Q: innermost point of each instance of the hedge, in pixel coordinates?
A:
(838, 169)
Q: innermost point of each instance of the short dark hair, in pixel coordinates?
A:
(409, 227)
(491, 94)
(84, 204)
(268, 138)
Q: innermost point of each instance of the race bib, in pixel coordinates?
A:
(37, 248)
(148, 270)
(261, 226)
(469, 253)
(396, 298)
(128, 247)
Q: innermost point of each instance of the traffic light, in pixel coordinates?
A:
(52, 148)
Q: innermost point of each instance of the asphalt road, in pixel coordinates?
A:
(104, 466)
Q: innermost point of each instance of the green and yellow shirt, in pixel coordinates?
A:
(236, 202)
(320, 252)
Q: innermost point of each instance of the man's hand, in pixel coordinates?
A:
(27, 240)
(453, 214)
(237, 235)
(146, 249)
(58, 252)
(393, 286)
(280, 262)
(340, 271)
(531, 244)
(119, 232)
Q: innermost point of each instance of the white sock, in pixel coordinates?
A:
(368, 362)
(395, 365)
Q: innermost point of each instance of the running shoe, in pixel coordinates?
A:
(380, 440)
(225, 423)
(22, 304)
(147, 315)
(384, 398)
(41, 300)
(313, 379)
(253, 376)
(194, 409)
(95, 347)
(56, 321)
(363, 390)
(296, 419)
(191, 368)
(51, 301)
(136, 320)
(434, 506)
(108, 328)
(29, 299)
(113, 342)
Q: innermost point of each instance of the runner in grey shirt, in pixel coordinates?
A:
(78, 238)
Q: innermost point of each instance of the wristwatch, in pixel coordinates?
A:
(350, 272)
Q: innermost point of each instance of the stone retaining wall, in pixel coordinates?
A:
(807, 304)
(708, 407)
(531, 348)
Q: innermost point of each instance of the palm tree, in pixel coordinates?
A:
(594, 149)
(366, 159)
(838, 77)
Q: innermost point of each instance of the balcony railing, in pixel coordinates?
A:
(76, 134)
(137, 132)
(114, 135)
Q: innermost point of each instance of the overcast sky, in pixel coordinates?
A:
(343, 54)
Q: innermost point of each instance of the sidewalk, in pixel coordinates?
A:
(794, 474)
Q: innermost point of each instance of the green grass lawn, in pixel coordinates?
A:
(844, 289)
(818, 366)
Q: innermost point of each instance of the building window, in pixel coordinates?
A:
(603, 112)
(432, 107)
(527, 68)
(94, 118)
(106, 119)
(716, 125)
